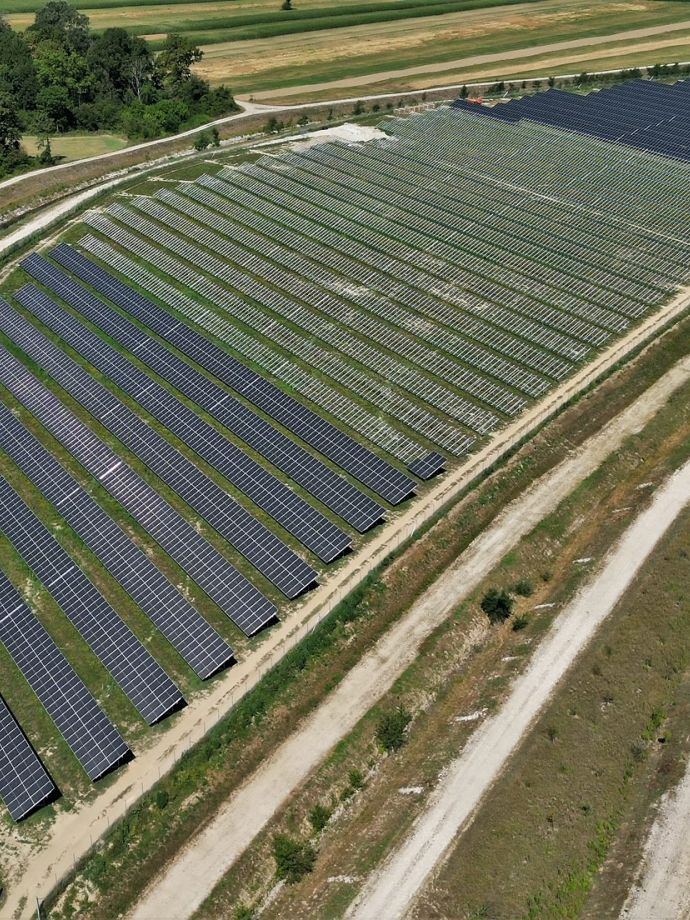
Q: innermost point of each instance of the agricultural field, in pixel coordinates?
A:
(223, 395)
(321, 48)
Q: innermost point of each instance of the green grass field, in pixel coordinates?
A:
(78, 146)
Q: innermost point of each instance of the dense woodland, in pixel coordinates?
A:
(60, 76)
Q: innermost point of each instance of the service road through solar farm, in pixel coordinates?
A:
(225, 400)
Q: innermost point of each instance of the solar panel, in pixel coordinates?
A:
(24, 781)
(358, 509)
(295, 514)
(196, 640)
(428, 466)
(254, 540)
(139, 675)
(244, 604)
(364, 465)
(80, 720)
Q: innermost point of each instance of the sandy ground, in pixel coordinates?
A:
(662, 891)
(213, 851)
(631, 37)
(393, 889)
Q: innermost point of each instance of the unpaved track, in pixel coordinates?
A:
(391, 892)
(520, 54)
(213, 852)
(663, 891)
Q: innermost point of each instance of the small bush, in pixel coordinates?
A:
(202, 141)
(552, 733)
(524, 588)
(244, 912)
(356, 779)
(319, 817)
(162, 799)
(497, 605)
(390, 731)
(521, 622)
(294, 858)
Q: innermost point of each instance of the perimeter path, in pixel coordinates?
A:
(663, 889)
(520, 54)
(213, 852)
(392, 891)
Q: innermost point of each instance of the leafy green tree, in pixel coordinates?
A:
(121, 62)
(174, 63)
(497, 605)
(215, 137)
(17, 72)
(390, 731)
(202, 140)
(60, 22)
(294, 858)
(10, 128)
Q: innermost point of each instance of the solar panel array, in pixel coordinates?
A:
(287, 508)
(258, 544)
(24, 782)
(246, 606)
(196, 640)
(639, 113)
(333, 490)
(307, 324)
(143, 680)
(314, 430)
(80, 720)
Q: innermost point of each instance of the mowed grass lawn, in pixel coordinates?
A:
(78, 146)
(325, 48)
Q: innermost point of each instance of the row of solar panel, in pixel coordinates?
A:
(24, 783)
(640, 113)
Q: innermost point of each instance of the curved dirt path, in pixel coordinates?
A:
(212, 853)
(392, 891)
(663, 889)
(369, 79)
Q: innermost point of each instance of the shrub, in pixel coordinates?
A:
(294, 858)
(162, 798)
(520, 622)
(319, 817)
(244, 912)
(497, 605)
(524, 588)
(390, 732)
(202, 140)
(356, 779)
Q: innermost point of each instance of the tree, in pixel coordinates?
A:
(121, 62)
(390, 731)
(62, 23)
(202, 140)
(294, 858)
(286, 5)
(215, 137)
(174, 63)
(497, 605)
(17, 72)
(10, 128)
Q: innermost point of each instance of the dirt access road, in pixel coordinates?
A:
(631, 36)
(662, 891)
(393, 889)
(213, 852)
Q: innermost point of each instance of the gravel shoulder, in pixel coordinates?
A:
(212, 852)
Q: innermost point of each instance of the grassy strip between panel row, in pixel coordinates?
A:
(157, 826)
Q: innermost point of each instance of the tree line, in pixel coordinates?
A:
(60, 76)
